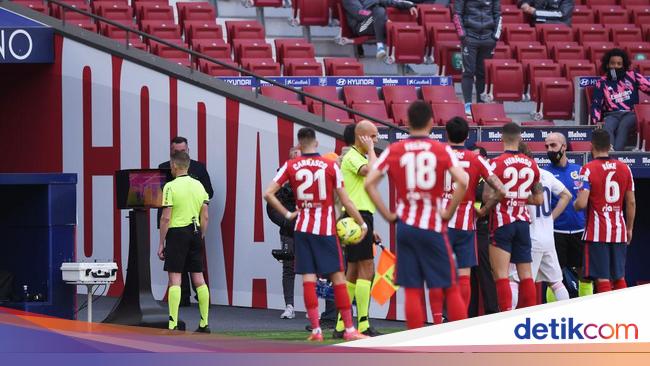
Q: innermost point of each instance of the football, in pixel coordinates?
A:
(348, 231)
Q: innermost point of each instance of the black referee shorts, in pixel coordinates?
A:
(183, 250)
(362, 250)
(570, 249)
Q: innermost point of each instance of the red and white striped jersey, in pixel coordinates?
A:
(417, 167)
(313, 180)
(476, 167)
(519, 175)
(607, 181)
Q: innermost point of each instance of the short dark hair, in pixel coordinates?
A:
(419, 114)
(457, 130)
(306, 134)
(614, 52)
(348, 134)
(181, 159)
(600, 140)
(511, 131)
(179, 140)
(481, 150)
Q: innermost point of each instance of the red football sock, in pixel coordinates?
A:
(504, 294)
(413, 308)
(603, 286)
(436, 301)
(456, 307)
(465, 289)
(527, 296)
(343, 304)
(311, 303)
(620, 283)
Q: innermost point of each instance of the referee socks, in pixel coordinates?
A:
(203, 294)
(173, 300)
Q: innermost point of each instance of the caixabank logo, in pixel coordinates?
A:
(570, 328)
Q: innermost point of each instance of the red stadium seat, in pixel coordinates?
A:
(624, 33)
(262, 66)
(200, 29)
(593, 3)
(343, 67)
(506, 80)
(407, 43)
(73, 15)
(590, 33)
(582, 15)
(161, 29)
(166, 51)
(251, 48)
(114, 10)
(313, 12)
(628, 3)
(489, 114)
(213, 69)
(332, 113)
(399, 94)
(511, 14)
(530, 51)
(195, 11)
(574, 68)
(346, 32)
(642, 112)
(212, 48)
(439, 94)
(356, 94)
(596, 50)
(611, 15)
(35, 5)
(56, 11)
(439, 34)
(643, 66)
(519, 33)
(399, 113)
(325, 92)
(281, 42)
(244, 29)
(640, 15)
(278, 93)
(302, 67)
(135, 43)
(374, 109)
(443, 112)
(448, 56)
(556, 99)
(400, 16)
(154, 11)
(502, 51)
(636, 50)
(539, 72)
(85, 24)
(433, 13)
(567, 51)
(554, 33)
(526, 65)
(114, 32)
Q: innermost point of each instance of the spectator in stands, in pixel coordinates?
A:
(615, 96)
(368, 17)
(285, 196)
(478, 23)
(198, 171)
(548, 11)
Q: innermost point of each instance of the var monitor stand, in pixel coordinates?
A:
(137, 305)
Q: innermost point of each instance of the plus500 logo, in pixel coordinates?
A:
(569, 328)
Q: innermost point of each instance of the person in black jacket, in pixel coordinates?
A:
(286, 197)
(478, 23)
(197, 171)
(368, 17)
(548, 11)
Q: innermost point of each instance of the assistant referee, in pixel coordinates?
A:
(355, 166)
(183, 225)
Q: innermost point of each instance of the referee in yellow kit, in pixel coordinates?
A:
(355, 166)
(183, 225)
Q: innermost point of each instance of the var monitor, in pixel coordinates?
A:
(140, 188)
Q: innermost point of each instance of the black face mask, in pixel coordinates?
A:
(616, 74)
(555, 156)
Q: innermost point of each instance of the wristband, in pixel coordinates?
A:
(364, 226)
(288, 215)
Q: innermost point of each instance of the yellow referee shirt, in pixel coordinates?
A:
(353, 160)
(185, 195)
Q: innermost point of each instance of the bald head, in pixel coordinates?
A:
(556, 147)
(364, 128)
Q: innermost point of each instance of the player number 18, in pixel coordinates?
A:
(420, 169)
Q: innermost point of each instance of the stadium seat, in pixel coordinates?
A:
(511, 14)
(489, 114)
(628, 3)
(530, 51)
(331, 113)
(611, 15)
(399, 113)
(433, 13)
(407, 43)
(596, 50)
(643, 66)
(244, 29)
(341, 66)
(278, 93)
(624, 33)
(356, 94)
(567, 51)
(637, 50)
(213, 69)
(399, 94)
(251, 48)
(439, 94)
(346, 32)
(262, 66)
(640, 15)
(525, 64)
(642, 112)
(313, 12)
(399, 16)
(114, 10)
(135, 43)
(376, 109)
(296, 50)
(506, 80)
(302, 67)
(439, 34)
(279, 46)
(166, 51)
(502, 51)
(161, 29)
(200, 29)
(73, 15)
(554, 33)
(590, 33)
(593, 3)
(582, 15)
(215, 49)
(325, 92)
(154, 11)
(56, 11)
(443, 112)
(519, 33)
(449, 59)
(556, 99)
(114, 32)
(189, 10)
(573, 68)
(538, 73)
(35, 5)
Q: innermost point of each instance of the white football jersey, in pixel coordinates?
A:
(541, 225)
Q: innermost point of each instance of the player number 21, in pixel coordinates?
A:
(308, 178)
(420, 169)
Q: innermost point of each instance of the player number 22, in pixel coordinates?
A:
(308, 178)
(514, 176)
(420, 169)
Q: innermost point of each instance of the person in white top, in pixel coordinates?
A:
(545, 266)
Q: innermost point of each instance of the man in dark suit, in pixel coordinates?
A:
(197, 171)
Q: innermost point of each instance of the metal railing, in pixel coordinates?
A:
(197, 56)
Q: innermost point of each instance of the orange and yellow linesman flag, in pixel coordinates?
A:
(383, 286)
